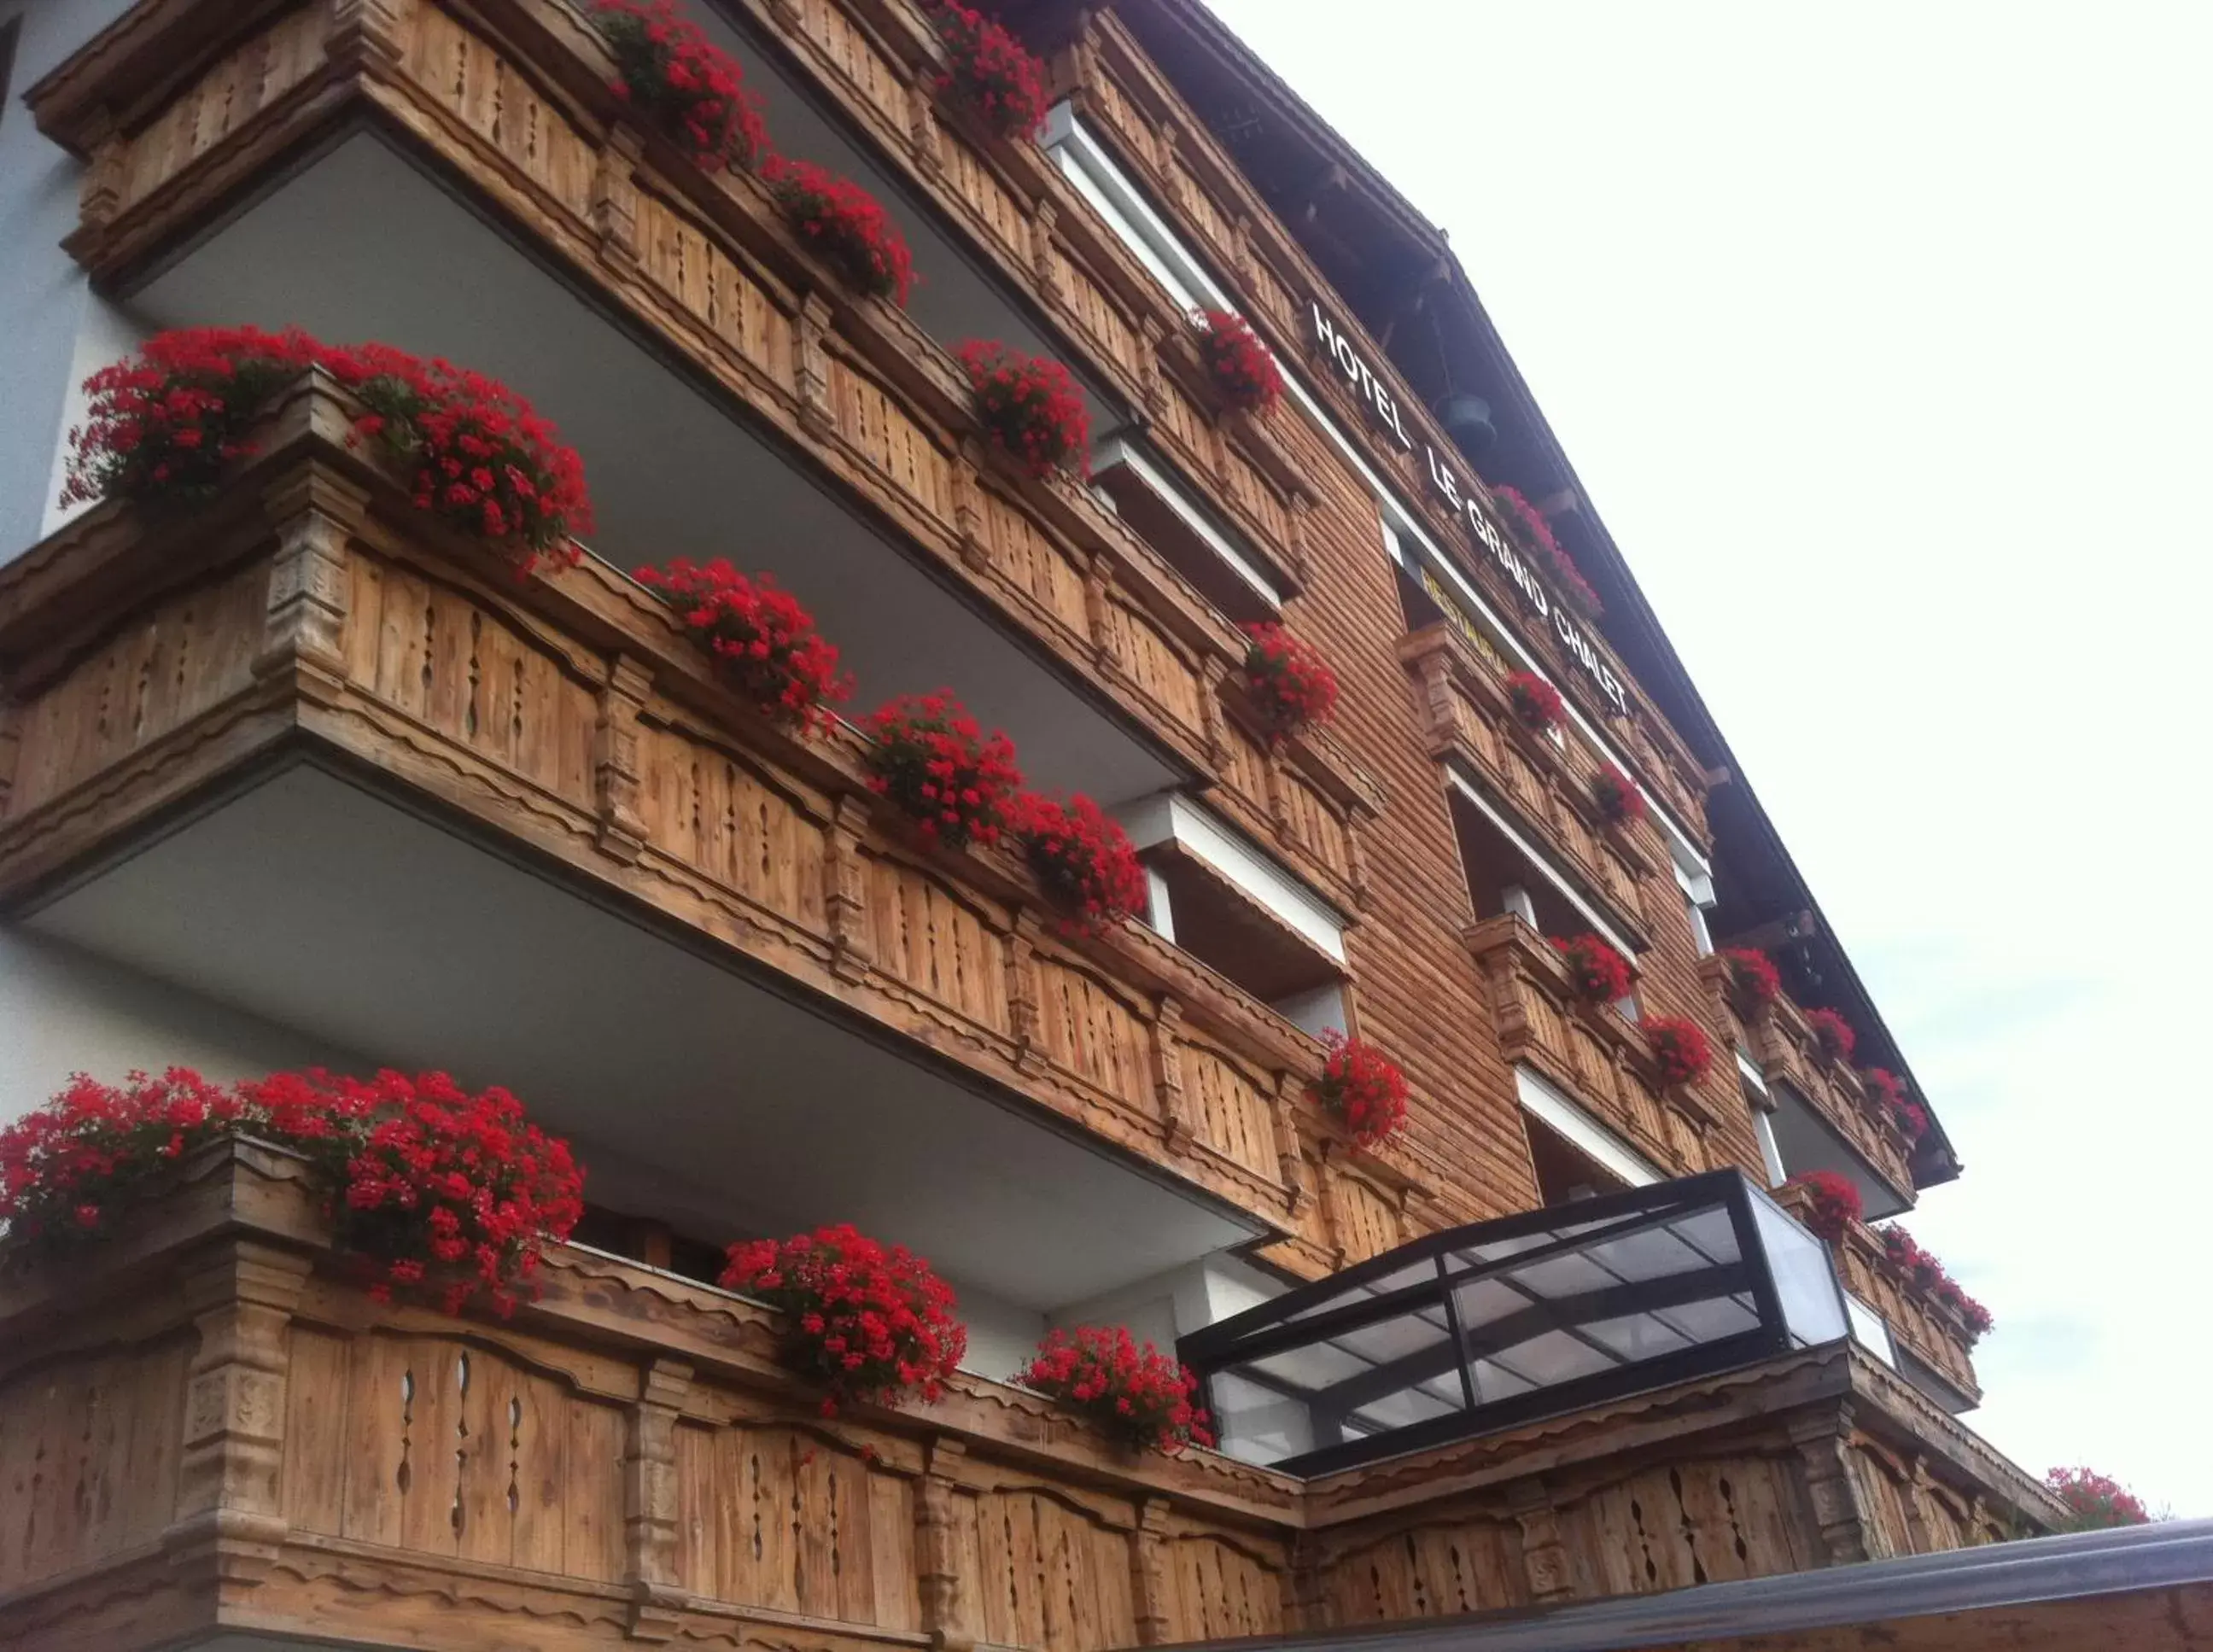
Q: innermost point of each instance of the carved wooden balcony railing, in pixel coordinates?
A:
(183, 107)
(146, 654)
(1589, 1051)
(206, 1425)
(1111, 82)
(1784, 1047)
(1933, 1333)
(1461, 696)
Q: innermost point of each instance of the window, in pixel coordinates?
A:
(1486, 1327)
(1228, 572)
(1506, 873)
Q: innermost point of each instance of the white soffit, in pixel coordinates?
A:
(1541, 1100)
(1118, 451)
(1168, 817)
(1537, 858)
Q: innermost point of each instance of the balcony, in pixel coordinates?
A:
(1590, 1051)
(313, 169)
(207, 1430)
(306, 752)
(1542, 785)
(1938, 1345)
(1823, 1116)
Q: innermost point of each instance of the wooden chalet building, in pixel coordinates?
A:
(294, 776)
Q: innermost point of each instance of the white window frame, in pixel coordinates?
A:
(1120, 451)
(1170, 817)
(1545, 1101)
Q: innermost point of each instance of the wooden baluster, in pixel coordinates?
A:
(1025, 1004)
(100, 196)
(613, 208)
(811, 367)
(938, 1549)
(1179, 1129)
(1214, 673)
(11, 749)
(1283, 1117)
(1098, 613)
(1544, 1554)
(924, 136)
(1149, 1584)
(1824, 1458)
(971, 521)
(365, 37)
(615, 776)
(1356, 868)
(649, 1503)
(845, 893)
(1152, 383)
(1919, 1491)
(229, 1499)
(1045, 256)
(315, 514)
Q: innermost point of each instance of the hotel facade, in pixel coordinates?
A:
(296, 775)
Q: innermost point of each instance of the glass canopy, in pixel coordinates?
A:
(1481, 1327)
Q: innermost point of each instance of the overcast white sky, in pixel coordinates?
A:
(1878, 334)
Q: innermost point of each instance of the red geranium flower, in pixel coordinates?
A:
(1833, 1034)
(1141, 1396)
(688, 87)
(1620, 803)
(1362, 1088)
(1527, 525)
(931, 759)
(1029, 406)
(428, 1187)
(1680, 1048)
(845, 224)
(1535, 701)
(1926, 1274)
(764, 639)
(871, 1322)
(164, 423)
(1754, 973)
(1598, 973)
(482, 458)
(1292, 685)
(1835, 1204)
(1889, 1092)
(1082, 857)
(2095, 1501)
(1243, 368)
(989, 72)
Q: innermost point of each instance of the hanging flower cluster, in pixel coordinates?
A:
(2095, 1502)
(870, 1321)
(1930, 1275)
(1140, 1396)
(1835, 1203)
(1615, 796)
(1030, 407)
(845, 224)
(1598, 973)
(1082, 857)
(1889, 1091)
(482, 458)
(989, 72)
(932, 759)
(1754, 973)
(438, 1192)
(1681, 1047)
(1243, 368)
(1362, 1088)
(165, 422)
(688, 87)
(1535, 701)
(1529, 529)
(762, 637)
(1291, 684)
(1833, 1034)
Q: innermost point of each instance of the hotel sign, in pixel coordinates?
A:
(1462, 497)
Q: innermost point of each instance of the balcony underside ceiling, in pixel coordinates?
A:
(306, 898)
(362, 243)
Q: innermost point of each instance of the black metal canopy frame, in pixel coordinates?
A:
(1485, 1327)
